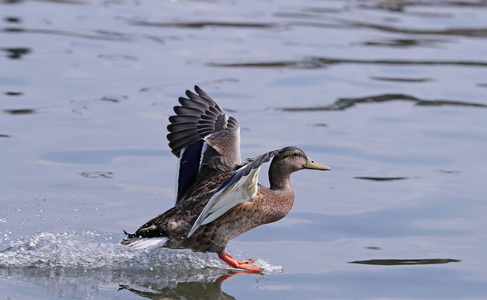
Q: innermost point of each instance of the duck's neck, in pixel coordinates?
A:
(278, 179)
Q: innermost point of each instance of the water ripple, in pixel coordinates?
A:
(345, 103)
(321, 62)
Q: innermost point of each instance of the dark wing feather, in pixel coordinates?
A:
(202, 113)
(204, 138)
(189, 166)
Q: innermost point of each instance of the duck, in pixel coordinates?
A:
(218, 196)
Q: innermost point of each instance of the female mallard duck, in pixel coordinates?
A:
(218, 197)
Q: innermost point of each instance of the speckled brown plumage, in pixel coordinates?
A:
(219, 197)
(268, 206)
(176, 222)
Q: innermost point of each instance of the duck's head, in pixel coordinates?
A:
(289, 160)
(294, 159)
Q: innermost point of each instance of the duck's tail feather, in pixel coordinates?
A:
(144, 243)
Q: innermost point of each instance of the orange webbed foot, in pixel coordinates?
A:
(247, 265)
(245, 262)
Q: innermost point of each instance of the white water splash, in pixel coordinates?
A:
(267, 268)
(88, 250)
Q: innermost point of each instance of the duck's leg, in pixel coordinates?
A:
(245, 265)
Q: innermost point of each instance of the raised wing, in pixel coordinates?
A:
(239, 188)
(204, 138)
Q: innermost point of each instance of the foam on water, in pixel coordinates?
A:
(88, 250)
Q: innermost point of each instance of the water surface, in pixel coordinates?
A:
(390, 94)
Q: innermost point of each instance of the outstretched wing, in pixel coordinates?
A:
(239, 188)
(204, 138)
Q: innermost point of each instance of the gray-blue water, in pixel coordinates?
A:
(390, 94)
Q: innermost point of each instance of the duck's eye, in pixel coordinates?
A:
(295, 154)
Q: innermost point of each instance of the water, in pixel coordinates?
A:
(390, 94)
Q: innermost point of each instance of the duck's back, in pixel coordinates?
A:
(176, 222)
